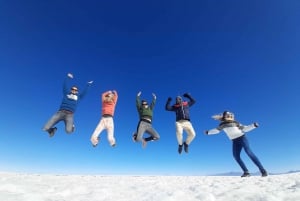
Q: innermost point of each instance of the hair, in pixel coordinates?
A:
(217, 117)
(74, 86)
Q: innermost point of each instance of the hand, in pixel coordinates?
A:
(206, 132)
(138, 94)
(114, 91)
(154, 96)
(256, 124)
(169, 99)
(186, 95)
(70, 75)
(90, 82)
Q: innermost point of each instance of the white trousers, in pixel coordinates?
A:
(184, 125)
(108, 124)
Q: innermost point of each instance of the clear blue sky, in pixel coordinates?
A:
(241, 56)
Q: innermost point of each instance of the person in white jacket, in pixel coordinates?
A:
(236, 132)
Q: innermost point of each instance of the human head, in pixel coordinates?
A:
(109, 96)
(144, 103)
(178, 99)
(228, 116)
(74, 89)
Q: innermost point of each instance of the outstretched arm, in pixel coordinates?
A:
(212, 131)
(168, 106)
(65, 85)
(192, 100)
(83, 93)
(249, 127)
(153, 101)
(138, 100)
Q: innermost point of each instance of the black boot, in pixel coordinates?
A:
(264, 173)
(179, 149)
(52, 131)
(186, 147)
(246, 174)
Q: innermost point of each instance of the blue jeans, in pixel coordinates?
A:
(237, 145)
(68, 119)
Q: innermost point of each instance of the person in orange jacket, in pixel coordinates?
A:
(109, 101)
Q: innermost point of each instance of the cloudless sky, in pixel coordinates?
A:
(241, 56)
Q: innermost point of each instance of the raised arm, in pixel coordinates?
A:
(168, 106)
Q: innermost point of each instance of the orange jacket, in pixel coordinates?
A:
(108, 107)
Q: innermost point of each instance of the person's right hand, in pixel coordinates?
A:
(70, 75)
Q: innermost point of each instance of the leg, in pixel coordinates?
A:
(179, 132)
(236, 150)
(69, 123)
(252, 156)
(140, 131)
(96, 133)
(191, 135)
(110, 131)
(52, 121)
(154, 135)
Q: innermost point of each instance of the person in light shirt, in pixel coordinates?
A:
(236, 133)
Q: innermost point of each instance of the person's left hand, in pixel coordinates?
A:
(154, 96)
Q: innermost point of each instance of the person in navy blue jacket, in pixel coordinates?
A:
(68, 106)
(183, 120)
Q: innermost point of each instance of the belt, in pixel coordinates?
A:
(107, 115)
(146, 120)
(66, 111)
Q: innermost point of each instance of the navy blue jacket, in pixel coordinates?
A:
(182, 110)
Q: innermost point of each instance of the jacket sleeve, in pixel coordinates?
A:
(65, 86)
(247, 128)
(153, 103)
(83, 93)
(192, 100)
(138, 102)
(168, 106)
(213, 131)
(115, 96)
(103, 96)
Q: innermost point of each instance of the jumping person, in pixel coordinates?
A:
(109, 101)
(183, 121)
(68, 106)
(145, 112)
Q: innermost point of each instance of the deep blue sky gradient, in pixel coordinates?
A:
(241, 56)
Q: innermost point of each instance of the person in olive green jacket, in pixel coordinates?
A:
(145, 121)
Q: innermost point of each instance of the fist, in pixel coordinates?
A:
(154, 96)
(256, 124)
(186, 95)
(169, 99)
(70, 75)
